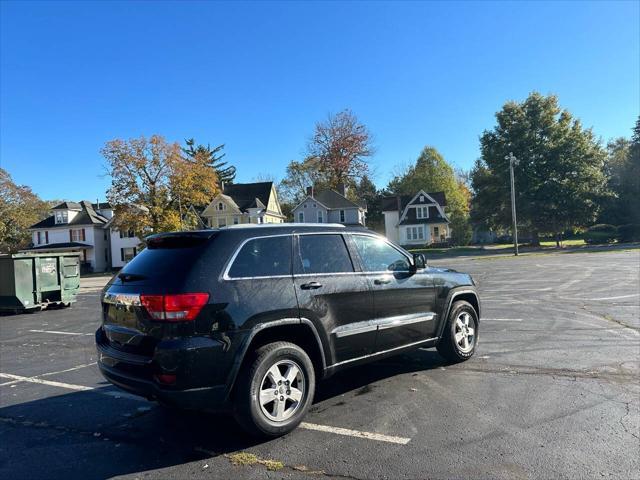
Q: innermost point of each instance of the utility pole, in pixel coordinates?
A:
(513, 161)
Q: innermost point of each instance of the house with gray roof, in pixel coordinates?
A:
(416, 219)
(77, 227)
(329, 206)
(244, 203)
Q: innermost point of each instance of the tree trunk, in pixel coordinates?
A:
(535, 240)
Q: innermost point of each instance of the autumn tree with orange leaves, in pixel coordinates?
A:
(153, 185)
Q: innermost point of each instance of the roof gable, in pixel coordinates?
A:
(249, 195)
(391, 203)
(333, 200)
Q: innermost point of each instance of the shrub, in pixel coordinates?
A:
(629, 233)
(601, 233)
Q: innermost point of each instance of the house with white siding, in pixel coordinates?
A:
(85, 228)
(416, 219)
(329, 206)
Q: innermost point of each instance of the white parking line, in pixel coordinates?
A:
(355, 433)
(70, 386)
(500, 319)
(56, 332)
(307, 426)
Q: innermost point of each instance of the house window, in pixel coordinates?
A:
(422, 212)
(236, 220)
(415, 233)
(77, 235)
(221, 206)
(436, 232)
(301, 216)
(342, 216)
(62, 217)
(222, 222)
(305, 205)
(39, 234)
(127, 234)
(421, 198)
(260, 220)
(126, 254)
(320, 216)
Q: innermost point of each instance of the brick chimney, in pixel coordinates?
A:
(341, 189)
(310, 191)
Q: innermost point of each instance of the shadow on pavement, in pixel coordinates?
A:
(94, 436)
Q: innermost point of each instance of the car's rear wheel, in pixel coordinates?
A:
(460, 336)
(275, 389)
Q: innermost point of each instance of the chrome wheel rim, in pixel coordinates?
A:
(281, 390)
(465, 332)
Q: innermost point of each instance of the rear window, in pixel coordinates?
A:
(322, 254)
(166, 258)
(263, 257)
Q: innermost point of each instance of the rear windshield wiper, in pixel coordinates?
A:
(130, 277)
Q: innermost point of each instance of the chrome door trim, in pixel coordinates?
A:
(372, 355)
(381, 324)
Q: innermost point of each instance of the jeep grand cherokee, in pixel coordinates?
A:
(246, 318)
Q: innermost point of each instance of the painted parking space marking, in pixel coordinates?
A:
(118, 394)
(57, 332)
(70, 386)
(500, 319)
(355, 433)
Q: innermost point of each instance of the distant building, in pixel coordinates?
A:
(244, 203)
(329, 206)
(416, 219)
(86, 228)
(77, 227)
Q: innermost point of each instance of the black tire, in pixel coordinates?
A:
(448, 347)
(248, 412)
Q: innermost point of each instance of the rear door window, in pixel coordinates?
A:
(322, 254)
(263, 257)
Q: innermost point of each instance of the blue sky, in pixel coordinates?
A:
(258, 76)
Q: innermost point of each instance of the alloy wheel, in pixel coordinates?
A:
(465, 332)
(282, 390)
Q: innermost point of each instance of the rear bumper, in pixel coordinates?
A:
(203, 398)
(196, 363)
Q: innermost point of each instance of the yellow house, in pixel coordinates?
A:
(244, 203)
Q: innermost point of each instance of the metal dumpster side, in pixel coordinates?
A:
(31, 281)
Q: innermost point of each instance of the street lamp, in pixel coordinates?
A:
(513, 161)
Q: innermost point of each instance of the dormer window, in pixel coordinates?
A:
(422, 212)
(62, 216)
(221, 206)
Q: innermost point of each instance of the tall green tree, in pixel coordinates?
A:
(559, 181)
(630, 185)
(615, 206)
(213, 157)
(366, 192)
(432, 173)
(19, 209)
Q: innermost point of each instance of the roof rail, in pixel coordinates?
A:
(281, 225)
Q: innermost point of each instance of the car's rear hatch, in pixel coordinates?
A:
(131, 323)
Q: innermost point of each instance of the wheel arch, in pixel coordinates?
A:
(301, 332)
(464, 293)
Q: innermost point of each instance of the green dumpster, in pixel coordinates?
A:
(32, 281)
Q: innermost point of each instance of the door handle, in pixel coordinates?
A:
(382, 281)
(310, 286)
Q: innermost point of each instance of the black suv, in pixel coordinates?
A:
(246, 318)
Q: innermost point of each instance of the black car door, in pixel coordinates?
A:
(331, 294)
(404, 298)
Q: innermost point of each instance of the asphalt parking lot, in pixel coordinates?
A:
(552, 392)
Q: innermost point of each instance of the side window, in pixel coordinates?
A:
(263, 257)
(322, 254)
(378, 256)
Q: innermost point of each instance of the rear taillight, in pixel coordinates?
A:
(174, 308)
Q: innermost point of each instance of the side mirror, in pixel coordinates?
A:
(419, 261)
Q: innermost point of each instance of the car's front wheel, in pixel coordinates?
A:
(275, 389)
(460, 336)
